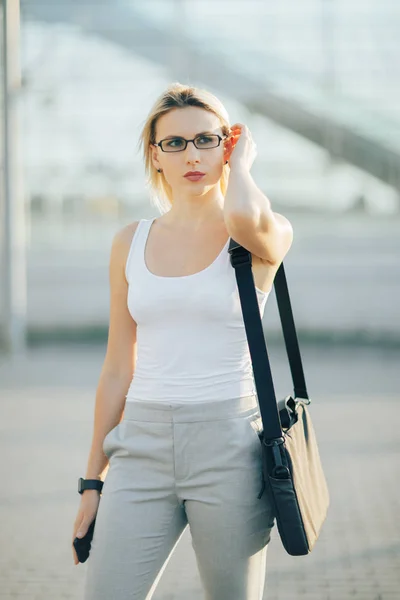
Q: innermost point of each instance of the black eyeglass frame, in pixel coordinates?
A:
(187, 141)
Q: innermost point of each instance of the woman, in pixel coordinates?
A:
(181, 435)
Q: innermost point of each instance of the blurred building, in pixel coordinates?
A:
(317, 83)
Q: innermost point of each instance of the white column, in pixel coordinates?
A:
(13, 285)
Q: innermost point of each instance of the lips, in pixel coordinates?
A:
(194, 175)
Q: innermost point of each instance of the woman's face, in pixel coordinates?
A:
(188, 123)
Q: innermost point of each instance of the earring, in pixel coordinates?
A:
(159, 170)
(226, 162)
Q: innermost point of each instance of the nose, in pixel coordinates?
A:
(192, 153)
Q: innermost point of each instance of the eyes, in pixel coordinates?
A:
(180, 142)
(201, 141)
(175, 143)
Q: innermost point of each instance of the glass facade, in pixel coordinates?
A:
(348, 48)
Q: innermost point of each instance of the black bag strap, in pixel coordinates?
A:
(241, 261)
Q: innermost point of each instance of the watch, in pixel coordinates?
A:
(89, 484)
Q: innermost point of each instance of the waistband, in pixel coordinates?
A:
(179, 412)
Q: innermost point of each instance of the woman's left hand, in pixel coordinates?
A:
(241, 149)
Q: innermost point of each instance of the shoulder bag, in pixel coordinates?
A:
(291, 464)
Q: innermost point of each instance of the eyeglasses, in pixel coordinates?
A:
(202, 142)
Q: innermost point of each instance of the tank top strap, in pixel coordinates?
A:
(135, 256)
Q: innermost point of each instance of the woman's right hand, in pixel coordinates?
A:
(86, 514)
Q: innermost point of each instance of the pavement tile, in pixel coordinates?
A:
(47, 401)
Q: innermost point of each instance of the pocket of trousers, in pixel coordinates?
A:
(255, 422)
(108, 444)
(256, 426)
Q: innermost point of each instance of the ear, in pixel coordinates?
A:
(154, 156)
(227, 148)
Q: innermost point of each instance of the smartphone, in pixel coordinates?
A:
(82, 545)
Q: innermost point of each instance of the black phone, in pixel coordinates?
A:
(82, 545)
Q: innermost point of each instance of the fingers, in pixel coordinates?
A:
(80, 529)
(83, 527)
(235, 132)
(239, 128)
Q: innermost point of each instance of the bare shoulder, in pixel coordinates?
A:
(121, 244)
(125, 235)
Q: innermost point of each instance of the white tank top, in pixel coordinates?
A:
(191, 340)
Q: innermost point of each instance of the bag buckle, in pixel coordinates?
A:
(241, 257)
(279, 470)
(274, 442)
(303, 400)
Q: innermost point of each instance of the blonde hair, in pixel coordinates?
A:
(176, 95)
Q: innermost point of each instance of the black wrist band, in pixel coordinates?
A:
(89, 484)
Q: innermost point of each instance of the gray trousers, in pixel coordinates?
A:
(173, 465)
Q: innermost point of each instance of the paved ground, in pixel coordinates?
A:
(47, 399)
